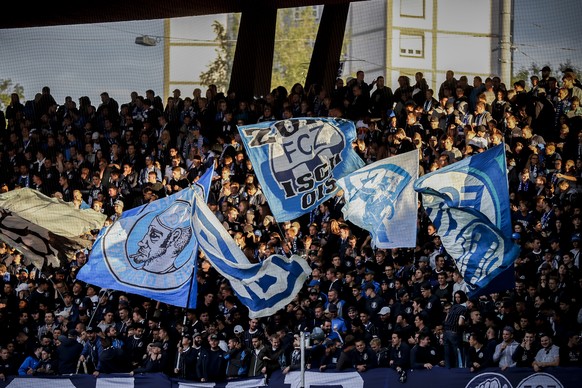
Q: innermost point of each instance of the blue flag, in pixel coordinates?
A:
(264, 287)
(298, 161)
(380, 198)
(468, 202)
(151, 250)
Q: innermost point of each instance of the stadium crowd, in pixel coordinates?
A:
(365, 308)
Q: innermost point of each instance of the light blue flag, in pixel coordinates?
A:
(264, 287)
(298, 161)
(380, 198)
(151, 250)
(468, 202)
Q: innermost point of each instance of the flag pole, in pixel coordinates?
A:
(303, 337)
(186, 309)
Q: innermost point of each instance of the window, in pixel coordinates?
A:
(411, 45)
(412, 8)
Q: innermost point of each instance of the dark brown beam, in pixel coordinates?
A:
(324, 64)
(52, 13)
(253, 57)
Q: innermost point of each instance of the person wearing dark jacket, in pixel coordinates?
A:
(188, 356)
(155, 361)
(363, 358)
(110, 359)
(237, 359)
(479, 356)
(399, 356)
(525, 353)
(47, 365)
(422, 355)
(257, 363)
(68, 353)
(8, 366)
(211, 365)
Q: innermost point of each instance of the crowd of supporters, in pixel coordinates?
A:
(363, 307)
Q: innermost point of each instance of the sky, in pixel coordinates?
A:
(547, 32)
(89, 59)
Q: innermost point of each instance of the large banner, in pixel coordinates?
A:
(151, 250)
(468, 204)
(374, 378)
(380, 198)
(298, 161)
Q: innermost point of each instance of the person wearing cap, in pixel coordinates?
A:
(92, 349)
(185, 367)
(155, 362)
(337, 322)
(211, 365)
(369, 280)
(374, 302)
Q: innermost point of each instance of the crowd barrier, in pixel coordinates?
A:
(375, 378)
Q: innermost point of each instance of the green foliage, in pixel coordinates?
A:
(6, 89)
(220, 68)
(569, 65)
(294, 41)
(524, 73)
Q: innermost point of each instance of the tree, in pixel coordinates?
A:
(220, 68)
(524, 73)
(569, 65)
(6, 89)
(294, 40)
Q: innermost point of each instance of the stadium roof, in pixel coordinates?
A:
(67, 12)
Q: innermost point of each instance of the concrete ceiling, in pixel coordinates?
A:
(67, 12)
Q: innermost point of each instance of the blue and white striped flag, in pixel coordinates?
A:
(264, 287)
(298, 161)
(468, 202)
(380, 198)
(151, 250)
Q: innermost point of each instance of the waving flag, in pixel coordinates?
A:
(298, 161)
(380, 198)
(468, 202)
(38, 245)
(47, 231)
(151, 250)
(265, 287)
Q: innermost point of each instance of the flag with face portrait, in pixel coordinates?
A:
(298, 161)
(265, 287)
(380, 198)
(468, 203)
(151, 250)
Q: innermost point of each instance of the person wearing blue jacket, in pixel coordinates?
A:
(30, 363)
